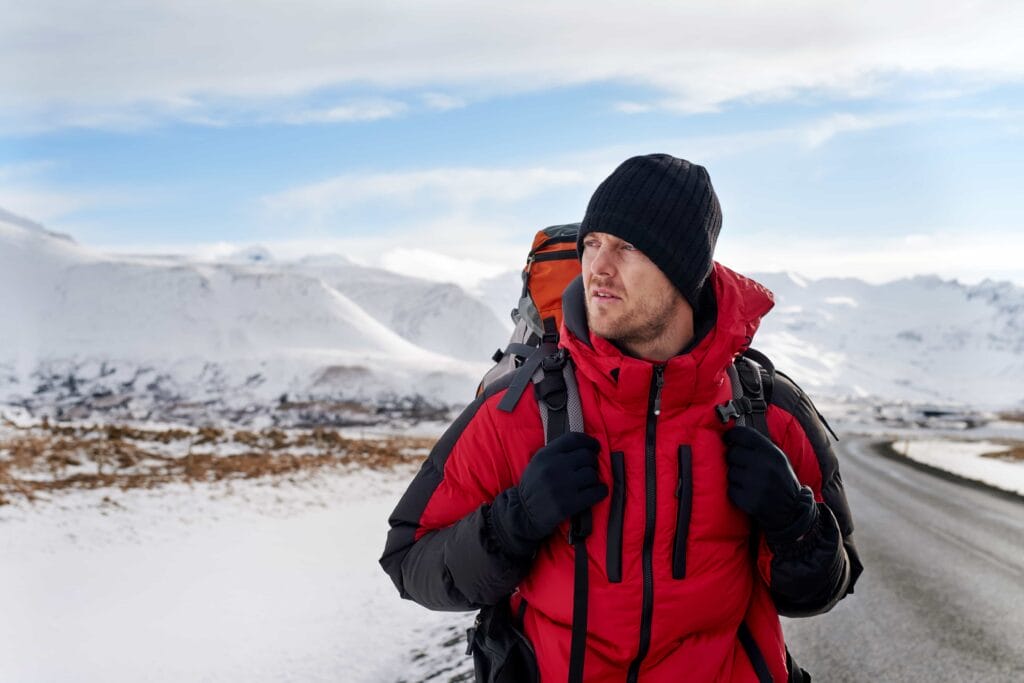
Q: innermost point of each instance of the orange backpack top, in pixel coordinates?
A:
(550, 266)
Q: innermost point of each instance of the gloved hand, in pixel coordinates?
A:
(559, 481)
(762, 484)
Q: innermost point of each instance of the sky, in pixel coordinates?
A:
(866, 139)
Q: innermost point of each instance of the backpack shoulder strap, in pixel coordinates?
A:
(561, 411)
(541, 365)
(551, 372)
(745, 406)
(752, 376)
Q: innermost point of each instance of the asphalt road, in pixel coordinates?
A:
(942, 595)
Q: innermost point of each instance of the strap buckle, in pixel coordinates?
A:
(738, 407)
(553, 361)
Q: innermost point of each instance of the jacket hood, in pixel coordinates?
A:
(694, 375)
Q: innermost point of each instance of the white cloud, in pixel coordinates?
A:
(969, 256)
(431, 265)
(462, 212)
(86, 64)
(24, 170)
(634, 107)
(443, 102)
(45, 205)
(454, 187)
(367, 110)
(817, 133)
(823, 130)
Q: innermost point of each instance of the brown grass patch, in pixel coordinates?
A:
(51, 458)
(1013, 453)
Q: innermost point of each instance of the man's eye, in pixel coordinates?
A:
(591, 244)
(628, 247)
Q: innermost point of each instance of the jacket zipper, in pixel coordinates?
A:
(651, 482)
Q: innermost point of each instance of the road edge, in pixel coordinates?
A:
(885, 449)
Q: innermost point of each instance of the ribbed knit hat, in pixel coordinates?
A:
(666, 208)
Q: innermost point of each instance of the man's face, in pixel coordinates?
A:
(629, 300)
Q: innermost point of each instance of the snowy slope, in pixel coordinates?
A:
(919, 339)
(501, 294)
(29, 225)
(440, 317)
(64, 302)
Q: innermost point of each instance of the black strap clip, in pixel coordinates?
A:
(553, 361)
(739, 407)
(551, 388)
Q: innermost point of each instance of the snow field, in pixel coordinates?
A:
(969, 459)
(251, 582)
(247, 580)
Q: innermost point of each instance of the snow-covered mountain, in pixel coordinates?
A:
(918, 339)
(437, 316)
(250, 329)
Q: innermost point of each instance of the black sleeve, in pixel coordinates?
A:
(811, 575)
(459, 567)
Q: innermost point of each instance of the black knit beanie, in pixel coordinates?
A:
(666, 208)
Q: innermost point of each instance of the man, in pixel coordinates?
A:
(711, 530)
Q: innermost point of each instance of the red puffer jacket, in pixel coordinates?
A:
(673, 587)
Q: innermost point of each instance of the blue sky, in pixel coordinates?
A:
(843, 138)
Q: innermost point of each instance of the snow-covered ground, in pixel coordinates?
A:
(265, 580)
(977, 460)
(249, 582)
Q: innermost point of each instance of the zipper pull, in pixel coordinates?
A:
(659, 380)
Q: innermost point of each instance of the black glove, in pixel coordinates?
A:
(560, 481)
(762, 484)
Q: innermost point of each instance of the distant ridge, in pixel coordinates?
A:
(252, 328)
(251, 331)
(22, 222)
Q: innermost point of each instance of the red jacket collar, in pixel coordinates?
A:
(689, 377)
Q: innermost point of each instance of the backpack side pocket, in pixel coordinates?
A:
(501, 652)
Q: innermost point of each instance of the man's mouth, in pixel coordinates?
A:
(604, 295)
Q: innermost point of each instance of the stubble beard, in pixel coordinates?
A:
(645, 322)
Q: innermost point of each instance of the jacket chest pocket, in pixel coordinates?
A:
(617, 511)
(616, 515)
(684, 506)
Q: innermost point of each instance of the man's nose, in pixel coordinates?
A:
(602, 263)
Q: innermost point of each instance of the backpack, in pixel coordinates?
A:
(550, 266)
(500, 652)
